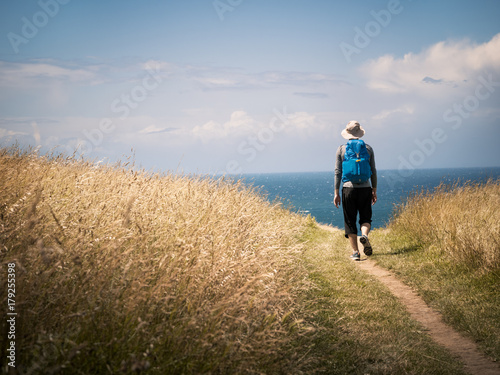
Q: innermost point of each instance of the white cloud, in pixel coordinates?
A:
(388, 113)
(37, 73)
(41, 72)
(4, 133)
(311, 95)
(444, 65)
(153, 129)
(303, 124)
(230, 79)
(239, 124)
(67, 132)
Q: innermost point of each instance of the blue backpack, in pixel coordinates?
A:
(356, 165)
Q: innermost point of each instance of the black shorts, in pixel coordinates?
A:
(356, 200)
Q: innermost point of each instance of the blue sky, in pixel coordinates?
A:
(249, 86)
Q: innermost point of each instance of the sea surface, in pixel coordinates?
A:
(312, 192)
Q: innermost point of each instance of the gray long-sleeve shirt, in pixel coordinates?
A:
(338, 170)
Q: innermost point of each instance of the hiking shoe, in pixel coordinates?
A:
(355, 256)
(367, 248)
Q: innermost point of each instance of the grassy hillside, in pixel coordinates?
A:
(120, 270)
(446, 244)
(463, 221)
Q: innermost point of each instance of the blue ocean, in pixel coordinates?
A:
(312, 192)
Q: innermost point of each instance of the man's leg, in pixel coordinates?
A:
(365, 219)
(353, 240)
(350, 213)
(367, 247)
(365, 229)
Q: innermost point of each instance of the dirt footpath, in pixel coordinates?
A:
(464, 348)
(475, 362)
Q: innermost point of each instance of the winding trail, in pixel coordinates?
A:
(475, 362)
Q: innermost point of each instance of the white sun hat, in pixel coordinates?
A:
(353, 130)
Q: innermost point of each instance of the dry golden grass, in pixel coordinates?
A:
(124, 271)
(462, 221)
(446, 245)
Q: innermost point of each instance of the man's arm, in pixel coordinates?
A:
(373, 178)
(338, 176)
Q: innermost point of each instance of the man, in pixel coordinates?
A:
(357, 197)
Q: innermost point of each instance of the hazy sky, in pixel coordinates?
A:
(253, 85)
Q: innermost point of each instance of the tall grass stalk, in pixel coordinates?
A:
(120, 270)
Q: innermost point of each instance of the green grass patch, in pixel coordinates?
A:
(467, 296)
(362, 327)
